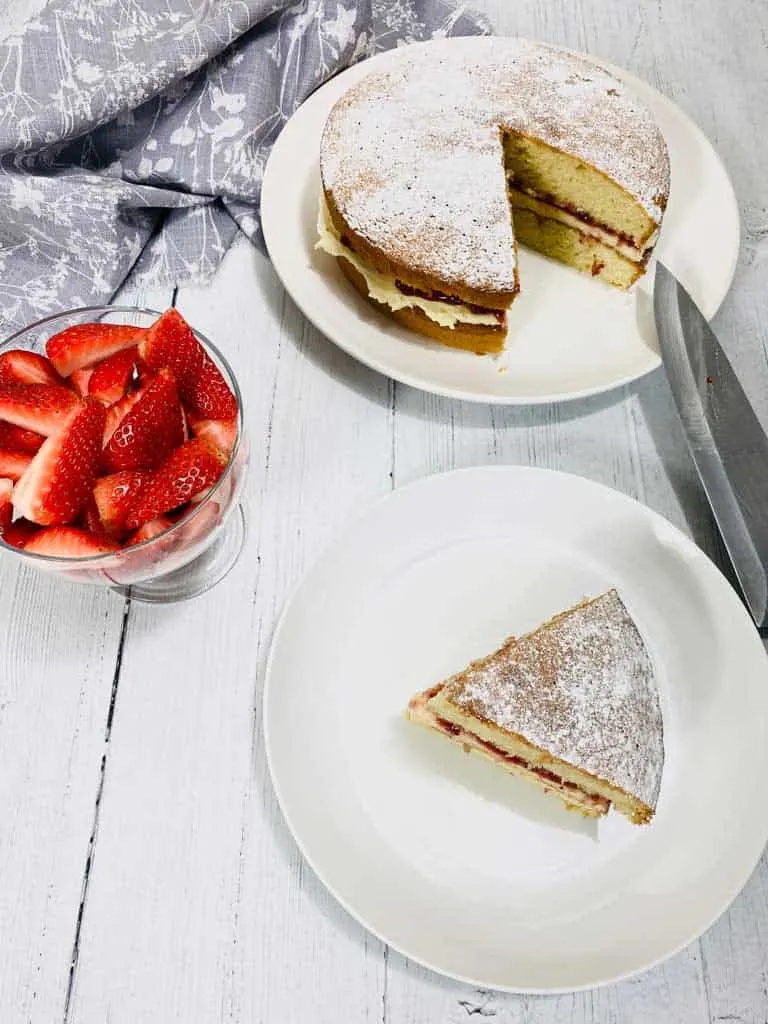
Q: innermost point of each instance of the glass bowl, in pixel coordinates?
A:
(195, 553)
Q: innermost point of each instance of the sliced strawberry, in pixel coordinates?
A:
(190, 470)
(18, 533)
(171, 343)
(21, 367)
(69, 542)
(111, 377)
(86, 344)
(115, 496)
(149, 530)
(116, 414)
(209, 394)
(150, 431)
(61, 476)
(13, 464)
(39, 407)
(6, 507)
(18, 439)
(89, 518)
(80, 379)
(222, 434)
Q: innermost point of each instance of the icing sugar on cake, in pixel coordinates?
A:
(413, 156)
(583, 687)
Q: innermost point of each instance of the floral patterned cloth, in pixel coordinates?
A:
(134, 133)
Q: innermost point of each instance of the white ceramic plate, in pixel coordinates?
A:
(455, 863)
(569, 336)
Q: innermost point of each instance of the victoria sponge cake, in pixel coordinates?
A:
(572, 707)
(435, 169)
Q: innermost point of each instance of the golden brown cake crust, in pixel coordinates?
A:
(473, 337)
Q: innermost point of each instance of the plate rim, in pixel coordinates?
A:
(687, 545)
(316, 317)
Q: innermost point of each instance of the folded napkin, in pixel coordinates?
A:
(134, 133)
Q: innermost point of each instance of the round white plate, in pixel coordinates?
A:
(568, 336)
(451, 861)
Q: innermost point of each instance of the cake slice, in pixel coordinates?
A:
(573, 707)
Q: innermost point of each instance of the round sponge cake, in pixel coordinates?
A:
(428, 168)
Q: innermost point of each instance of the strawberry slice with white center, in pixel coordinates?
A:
(115, 495)
(18, 439)
(61, 476)
(150, 530)
(170, 342)
(69, 542)
(6, 508)
(111, 377)
(90, 518)
(80, 379)
(222, 434)
(86, 344)
(152, 428)
(190, 470)
(13, 464)
(21, 367)
(42, 408)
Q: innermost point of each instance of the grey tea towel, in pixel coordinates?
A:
(134, 133)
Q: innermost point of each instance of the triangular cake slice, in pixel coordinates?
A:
(572, 706)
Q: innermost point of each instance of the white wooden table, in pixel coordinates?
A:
(145, 871)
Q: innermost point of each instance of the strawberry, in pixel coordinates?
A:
(222, 434)
(18, 534)
(111, 377)
(86, 344)
(150, 431)
(171, 343)
(6, 508)
(149, 530)
(209, 394)
(21, 367)
(69, 542)
(190, 470)
(117, 412)
(115, 495)
(39, 407)
(61, 476)
(89, 518)
(79, 379)
(18, 439)
(13, 464)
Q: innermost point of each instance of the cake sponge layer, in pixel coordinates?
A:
(568, 245)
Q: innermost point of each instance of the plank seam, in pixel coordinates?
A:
(74, 959)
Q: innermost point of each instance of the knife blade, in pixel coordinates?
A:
(727, 442)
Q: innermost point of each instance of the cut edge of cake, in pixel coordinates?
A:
(560, 203)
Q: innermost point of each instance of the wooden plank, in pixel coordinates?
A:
(201, 907)
(57, 666)
(57, 658)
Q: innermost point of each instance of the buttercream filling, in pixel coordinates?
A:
(384, 288)
(550, 211)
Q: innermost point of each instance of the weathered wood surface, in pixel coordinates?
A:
(145, 871)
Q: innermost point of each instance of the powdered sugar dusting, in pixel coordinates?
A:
(413, 158)
(583, 688)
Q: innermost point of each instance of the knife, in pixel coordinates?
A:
(728, 445)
